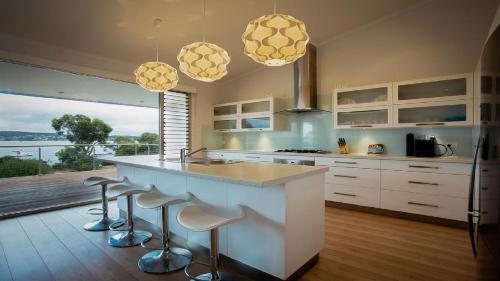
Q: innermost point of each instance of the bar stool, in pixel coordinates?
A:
(198, 218)
(166, 258)
(127, 237)
(104, 223)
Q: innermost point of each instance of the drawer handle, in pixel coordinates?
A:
(423, 183)
(345, 162)
(485, 170)
(344, 176)
(423, 204)
(345, 194)
(361, 126)
(431, 124)
(484, 213)
(484, 188)
(252, 157)
(423, 167)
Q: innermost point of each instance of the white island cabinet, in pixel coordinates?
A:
(283, 230)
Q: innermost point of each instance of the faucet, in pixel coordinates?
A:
(184, 155)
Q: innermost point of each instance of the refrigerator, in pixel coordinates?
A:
(484, 193)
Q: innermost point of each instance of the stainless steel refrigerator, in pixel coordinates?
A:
(484, 193)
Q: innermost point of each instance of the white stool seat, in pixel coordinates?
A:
(200, 218)
(126, 188)
(92, 181)
(155, 199)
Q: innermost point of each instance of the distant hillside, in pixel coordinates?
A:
(37, 136)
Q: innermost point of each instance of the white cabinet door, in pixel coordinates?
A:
(363, 117)
(435, 89)
(434, 114)
(355, 195)
(426, 183)
(364, 96)
(424, 204)
(353, 177)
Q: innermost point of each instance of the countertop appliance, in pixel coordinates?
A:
(484, 203)
(425, 147)
(319, 151)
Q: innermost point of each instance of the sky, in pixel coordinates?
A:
(34, 114)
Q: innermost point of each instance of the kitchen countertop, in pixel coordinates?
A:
(447, 159)
(248, 173)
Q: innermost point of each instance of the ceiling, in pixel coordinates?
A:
(122, 30)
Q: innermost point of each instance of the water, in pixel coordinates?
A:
(48, 153)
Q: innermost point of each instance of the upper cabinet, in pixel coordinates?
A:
(226, 110)
(373, 95)
(244, 116)
(431, 102)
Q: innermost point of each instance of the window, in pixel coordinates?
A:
(176, 127)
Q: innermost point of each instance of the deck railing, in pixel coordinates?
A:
(104, 150)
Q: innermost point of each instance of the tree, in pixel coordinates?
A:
(124, 150)
(149, 138)
(80, 129)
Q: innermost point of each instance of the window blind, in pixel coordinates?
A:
(176, 134)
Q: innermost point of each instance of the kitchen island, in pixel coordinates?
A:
(283, 230)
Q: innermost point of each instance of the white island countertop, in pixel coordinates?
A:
(248, 173)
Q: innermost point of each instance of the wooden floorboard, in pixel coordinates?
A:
(358, 246)
(19, 194)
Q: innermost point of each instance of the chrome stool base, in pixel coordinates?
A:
(162, 261)
(127, 238)
(222, 276)
(103, 224)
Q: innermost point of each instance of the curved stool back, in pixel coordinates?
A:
(199, 218)
(104, 223)
(166, 258)
(127, 237)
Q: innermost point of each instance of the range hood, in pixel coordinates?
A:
(304, 83)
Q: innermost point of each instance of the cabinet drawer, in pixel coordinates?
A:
(426, 183)
(489, 188)
(352, 195)
(353, 177)
(424, 204)
(489, 212)
(348, 162)
(489, 170)
(425, 166)
(254, 157)
(220, 155)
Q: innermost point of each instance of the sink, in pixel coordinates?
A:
(204, 161)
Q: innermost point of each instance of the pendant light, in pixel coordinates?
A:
(203, 61)
(276, 39)
(156, 76)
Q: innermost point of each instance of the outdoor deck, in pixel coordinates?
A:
(23, 195)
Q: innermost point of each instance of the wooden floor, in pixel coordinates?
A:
(358, 246)
(20, 194)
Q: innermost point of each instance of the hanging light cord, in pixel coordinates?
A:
(204, 19)
(157, 25)
(275, 6)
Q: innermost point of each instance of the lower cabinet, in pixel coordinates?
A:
(446, 207)
(362, 196)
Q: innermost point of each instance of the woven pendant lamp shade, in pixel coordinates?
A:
(203, 61)
(275, 40)
(156, 76)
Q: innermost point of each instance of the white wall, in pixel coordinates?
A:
(438, 37)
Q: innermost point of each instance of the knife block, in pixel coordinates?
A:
(344, 149)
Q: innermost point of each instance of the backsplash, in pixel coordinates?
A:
(315, 131)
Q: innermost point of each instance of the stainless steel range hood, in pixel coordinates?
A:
(305, 97)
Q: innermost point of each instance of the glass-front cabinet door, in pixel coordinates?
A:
(230, 109)
(368, 117)
(372, 95)
(256, 123)
(454, 87)
(260, 106)
(226, 125)
(453, 113)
